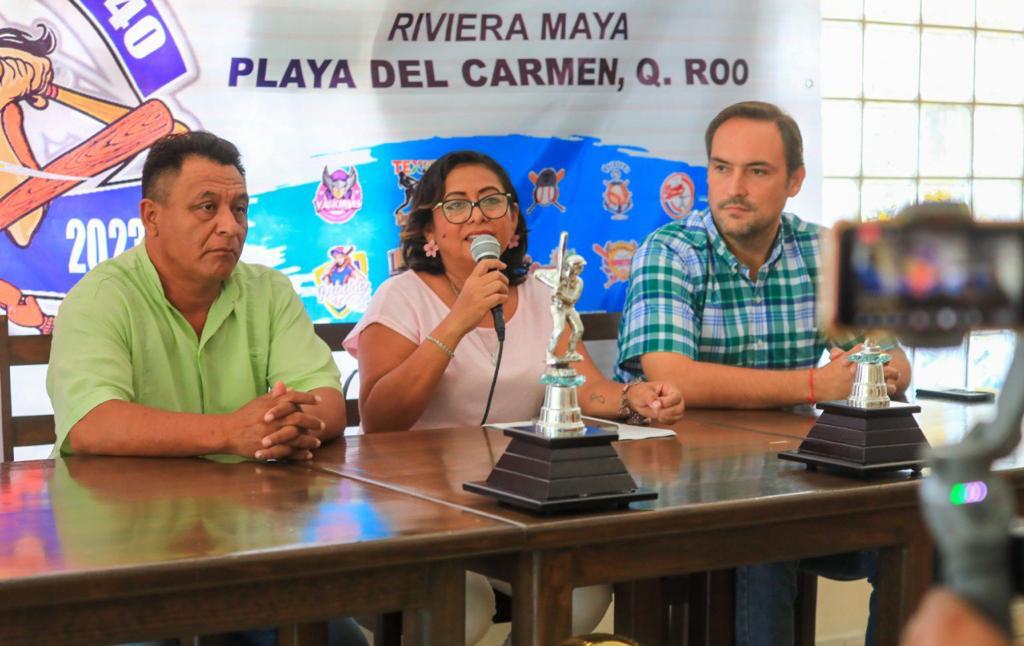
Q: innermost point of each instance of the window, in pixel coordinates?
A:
(923, 100)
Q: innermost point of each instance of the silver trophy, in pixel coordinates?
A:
(560, 415)
(559, 463)
(866, 432)
(869, 389)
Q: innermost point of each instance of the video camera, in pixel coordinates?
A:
(931, 275)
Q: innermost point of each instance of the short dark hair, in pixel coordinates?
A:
(792, 141)
(19, 39)
(430, 191)
(169, 153)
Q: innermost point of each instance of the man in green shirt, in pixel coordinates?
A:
(176, 348)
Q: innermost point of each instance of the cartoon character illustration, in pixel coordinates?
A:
(27, 74)
(408, 184)
(341, 268)
(340, 182)
(342, 283)
(23, 310)
(339, 196)
(26, 188)
(545, 188)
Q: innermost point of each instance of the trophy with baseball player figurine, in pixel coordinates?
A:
(559, 463)
(866, 432)
(560, 414)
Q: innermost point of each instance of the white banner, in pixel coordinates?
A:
(338, 107)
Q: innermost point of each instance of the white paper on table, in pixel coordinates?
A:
(625, 431)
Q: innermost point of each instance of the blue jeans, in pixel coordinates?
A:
(765, 595)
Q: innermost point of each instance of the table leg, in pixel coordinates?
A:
(386, 628)
(443, 619)
(311, 634)
(542, 598)
(904, 575)
(641, 611)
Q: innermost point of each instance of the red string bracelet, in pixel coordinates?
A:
(810, 382)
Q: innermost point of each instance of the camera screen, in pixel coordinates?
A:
(938, 277)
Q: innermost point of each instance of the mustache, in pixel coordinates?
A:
(736, 201)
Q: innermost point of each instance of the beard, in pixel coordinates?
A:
(745, 225)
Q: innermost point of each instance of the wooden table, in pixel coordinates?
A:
(117, 549)
(725, 500)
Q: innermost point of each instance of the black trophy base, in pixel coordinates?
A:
(863, 441)
(561, 474)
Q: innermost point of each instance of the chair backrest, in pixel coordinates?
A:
(29, 430)
(333, 334)
(600, 326)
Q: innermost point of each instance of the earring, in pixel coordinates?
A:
(513, 242)
(430, 249)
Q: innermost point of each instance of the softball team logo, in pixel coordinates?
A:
(677, 193)
(616, 258)
(339, 196)
(617, 199)
(545, 188)
(342, 285)
(408, 173)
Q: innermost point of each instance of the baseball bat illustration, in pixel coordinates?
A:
(125, 137)
(105, 111)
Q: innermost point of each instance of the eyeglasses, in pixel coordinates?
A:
(459, 210)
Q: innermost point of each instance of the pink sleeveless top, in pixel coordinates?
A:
(405, 304)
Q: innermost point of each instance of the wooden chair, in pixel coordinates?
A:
(29, 430)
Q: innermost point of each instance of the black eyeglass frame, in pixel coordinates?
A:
(472, 205)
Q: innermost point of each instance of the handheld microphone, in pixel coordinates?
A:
(486, 246)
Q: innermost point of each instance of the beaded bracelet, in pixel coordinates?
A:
(440, 344)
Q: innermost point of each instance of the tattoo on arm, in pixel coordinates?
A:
(597, 397)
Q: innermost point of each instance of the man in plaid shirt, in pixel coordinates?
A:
(724, 305)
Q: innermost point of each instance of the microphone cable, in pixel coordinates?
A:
(494, 379)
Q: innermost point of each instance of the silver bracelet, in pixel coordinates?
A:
(440, 344)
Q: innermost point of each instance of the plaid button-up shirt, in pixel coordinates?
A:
(689, 294)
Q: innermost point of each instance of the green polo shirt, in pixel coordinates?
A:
(116, 336)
